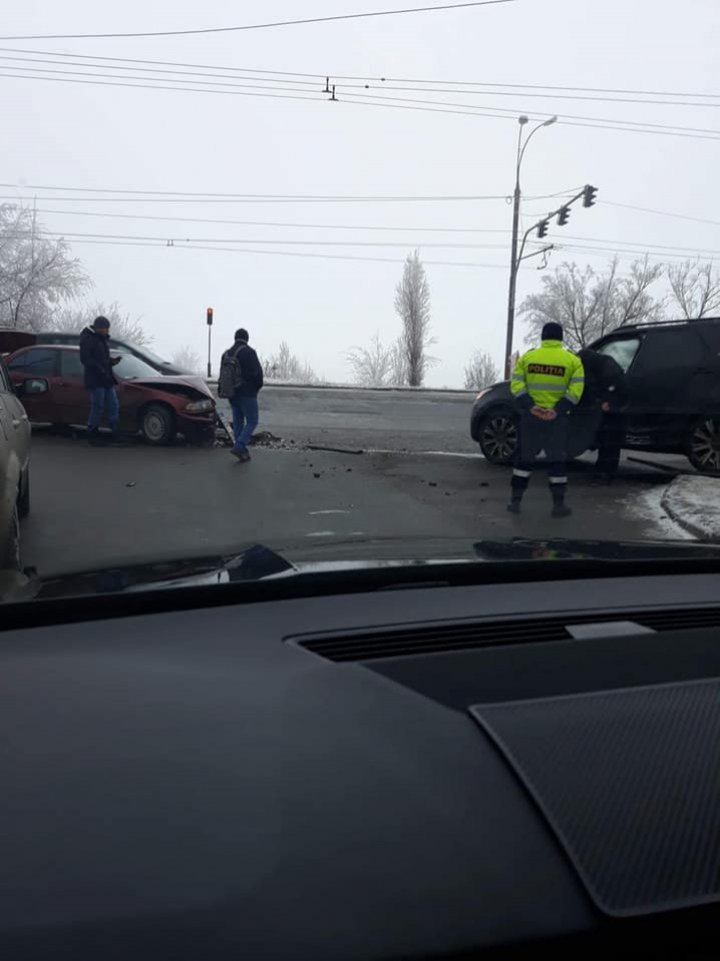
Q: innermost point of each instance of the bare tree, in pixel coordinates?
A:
(481, 372)
(412, 303)
(589, 304)
(695, 288)
(188, 360)
(372, 366)
(284, 365)
(122, 326)
(36, 273)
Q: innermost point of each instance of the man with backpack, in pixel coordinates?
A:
(240, 381)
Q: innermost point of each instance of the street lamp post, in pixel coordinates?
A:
(514, 261)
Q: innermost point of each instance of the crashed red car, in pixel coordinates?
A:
(49, 381)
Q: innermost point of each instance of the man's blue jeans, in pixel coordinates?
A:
(103, 399)
(245, 419)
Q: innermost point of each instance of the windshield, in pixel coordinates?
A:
(443, 277)
(131, 366)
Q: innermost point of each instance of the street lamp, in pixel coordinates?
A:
(514, 263)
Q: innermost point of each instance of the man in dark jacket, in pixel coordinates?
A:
(606, 389)
(244, 401)
(99, 378)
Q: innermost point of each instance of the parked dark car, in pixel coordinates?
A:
(14, 339)
(673, 371)
(49, 380)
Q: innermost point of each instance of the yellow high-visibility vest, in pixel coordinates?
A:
(549, 374)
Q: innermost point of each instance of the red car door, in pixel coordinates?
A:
(41, 365)
(71, 394)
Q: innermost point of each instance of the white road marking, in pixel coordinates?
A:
(332, 511)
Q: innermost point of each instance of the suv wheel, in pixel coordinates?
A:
(498, 436)
(157, 423)
(704, 445)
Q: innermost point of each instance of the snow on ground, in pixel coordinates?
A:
(649, 506)
(694, 502)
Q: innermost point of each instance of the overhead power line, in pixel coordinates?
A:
(444, 107)
(257, 26)
(663, 213)
(310, 81)
(287, 253)
(321, 75)
(266, 223)
(268, 197)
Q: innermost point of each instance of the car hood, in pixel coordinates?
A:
(261, 563)
(186, 380)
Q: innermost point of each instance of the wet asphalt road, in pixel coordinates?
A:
(98, 507)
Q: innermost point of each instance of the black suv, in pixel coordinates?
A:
(673, 371)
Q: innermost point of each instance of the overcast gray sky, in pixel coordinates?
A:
(62, 135)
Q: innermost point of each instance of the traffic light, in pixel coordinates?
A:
(209, 316)
(589, 194)
(563, 216)
(542, 228)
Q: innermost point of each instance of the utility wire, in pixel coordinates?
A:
(663, 213)
(287, 253)
(469, 110)
(266, 223)
(179, 194)
(256, 26)
(311, 82)
(370, 79)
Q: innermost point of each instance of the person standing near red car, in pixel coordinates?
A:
(99, 379)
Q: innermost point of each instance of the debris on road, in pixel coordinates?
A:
(131, 484)
(432, 483)
(335, 450)
(317, 475)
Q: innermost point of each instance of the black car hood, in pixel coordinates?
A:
(261, 563)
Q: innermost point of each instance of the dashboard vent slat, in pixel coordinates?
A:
(404, 641)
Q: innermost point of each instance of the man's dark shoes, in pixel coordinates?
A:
(514, 506)
(561, 510)
(95, 438)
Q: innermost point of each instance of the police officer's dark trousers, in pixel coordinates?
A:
(535, 436)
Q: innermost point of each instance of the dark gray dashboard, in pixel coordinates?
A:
(195, 785)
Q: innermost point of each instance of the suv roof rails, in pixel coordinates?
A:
(668, 323)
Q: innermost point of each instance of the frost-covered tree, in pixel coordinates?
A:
(481, 372)
(589, 304)
(284, 365)
(122, 325)
(695, 288)
(188, 359)
(37, 273)
(412, 303)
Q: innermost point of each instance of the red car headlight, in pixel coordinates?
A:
(198, 406)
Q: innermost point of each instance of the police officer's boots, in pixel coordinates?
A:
(518, 486)
(560, 508)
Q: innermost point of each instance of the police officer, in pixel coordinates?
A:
(547, 384)
(605, 390)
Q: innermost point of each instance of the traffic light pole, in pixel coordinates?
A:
(562, 213)
(514, 264)
(514, 259)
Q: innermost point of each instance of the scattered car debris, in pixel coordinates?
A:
(335, 450)
(131, 484)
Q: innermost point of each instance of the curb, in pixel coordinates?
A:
(694, 504)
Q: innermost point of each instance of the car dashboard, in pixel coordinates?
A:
(430, 772)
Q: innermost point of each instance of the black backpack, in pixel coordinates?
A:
(231, 376)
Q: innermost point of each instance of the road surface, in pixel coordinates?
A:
(95, 507)
(369, 419)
